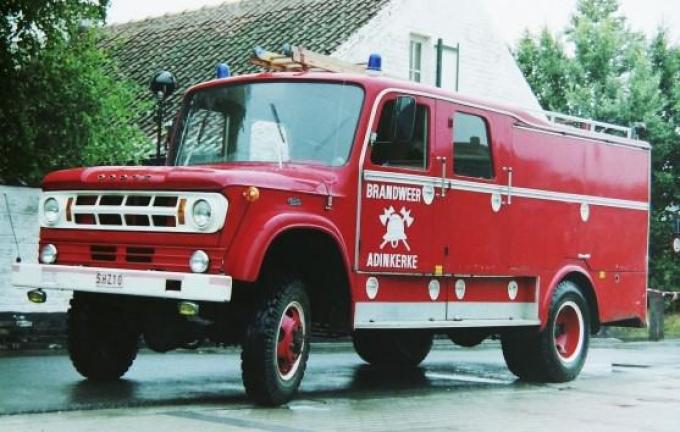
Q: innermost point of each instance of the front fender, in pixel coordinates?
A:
(546, 296)
(246, 254)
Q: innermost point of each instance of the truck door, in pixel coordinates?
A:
(397, 191)
(472, 216)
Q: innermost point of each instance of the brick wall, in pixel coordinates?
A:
(487, 69)
(23, 203)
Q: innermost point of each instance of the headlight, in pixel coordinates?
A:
(48, 254)
(51, 211)
(201, 213)
(199, 262)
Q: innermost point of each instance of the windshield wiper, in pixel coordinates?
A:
(283, 138)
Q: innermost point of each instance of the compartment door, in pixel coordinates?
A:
(473, 217)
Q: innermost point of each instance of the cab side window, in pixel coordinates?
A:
(411, 153)
(471, 150)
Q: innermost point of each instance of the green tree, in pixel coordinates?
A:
(544, 63)
(62, 102)
(666, 163)
(599, 68)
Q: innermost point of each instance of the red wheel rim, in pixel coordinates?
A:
(290, 341)
(568, 332)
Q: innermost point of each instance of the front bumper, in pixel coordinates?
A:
(146, 283)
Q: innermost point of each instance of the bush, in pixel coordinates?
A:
(63, 101)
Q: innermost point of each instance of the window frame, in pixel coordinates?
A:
(456, 50)
(179, 130)
(489, 137)
(415, 71)
(430, 108)
(423, 68)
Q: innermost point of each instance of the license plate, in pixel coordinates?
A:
(109, 280)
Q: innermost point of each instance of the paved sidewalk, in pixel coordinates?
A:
(624, 387)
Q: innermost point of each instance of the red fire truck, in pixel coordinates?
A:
(297, 201)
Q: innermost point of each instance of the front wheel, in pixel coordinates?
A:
(276, 344)
(558, 352)
(102, 340)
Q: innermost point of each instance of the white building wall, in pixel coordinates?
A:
(487, 68)
(23, 205)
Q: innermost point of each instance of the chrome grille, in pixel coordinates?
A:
(141, 211)
(125, 210)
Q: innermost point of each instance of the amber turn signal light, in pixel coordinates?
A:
(69, 206)
(251, 194)
(180, 211)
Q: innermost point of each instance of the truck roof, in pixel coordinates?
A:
(538, 120)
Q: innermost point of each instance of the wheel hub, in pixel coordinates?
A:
(568, 332)
(290, 340)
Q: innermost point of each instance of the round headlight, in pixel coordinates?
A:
(199, 262)
(51, 210)
(201, 213)
(48, 254)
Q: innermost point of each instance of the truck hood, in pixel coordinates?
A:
(294, 177)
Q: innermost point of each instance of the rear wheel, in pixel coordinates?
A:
(102, 341)
(556, 353)
(393, 347)
(276, 345)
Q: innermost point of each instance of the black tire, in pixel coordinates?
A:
(406, 348)
(268, 378)
(518, 355)
(102, 343)
(468, 338)
(556, 353)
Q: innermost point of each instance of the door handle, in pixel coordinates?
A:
(442, 159)
(585, 256)
(509, 187)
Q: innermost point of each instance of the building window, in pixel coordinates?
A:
(450, 67)
(471, 150)
(415, 64)
(416, 58)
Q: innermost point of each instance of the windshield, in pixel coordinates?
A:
(270, 122)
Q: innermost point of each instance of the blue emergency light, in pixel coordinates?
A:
(374, 63)
(222, 71)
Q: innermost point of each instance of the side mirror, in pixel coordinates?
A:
(403, 118)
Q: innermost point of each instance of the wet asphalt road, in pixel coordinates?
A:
(632, 386)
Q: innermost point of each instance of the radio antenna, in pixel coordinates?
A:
(11, 225)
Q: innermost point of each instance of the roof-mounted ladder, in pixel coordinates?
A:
(298, 59)
(589, 125)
